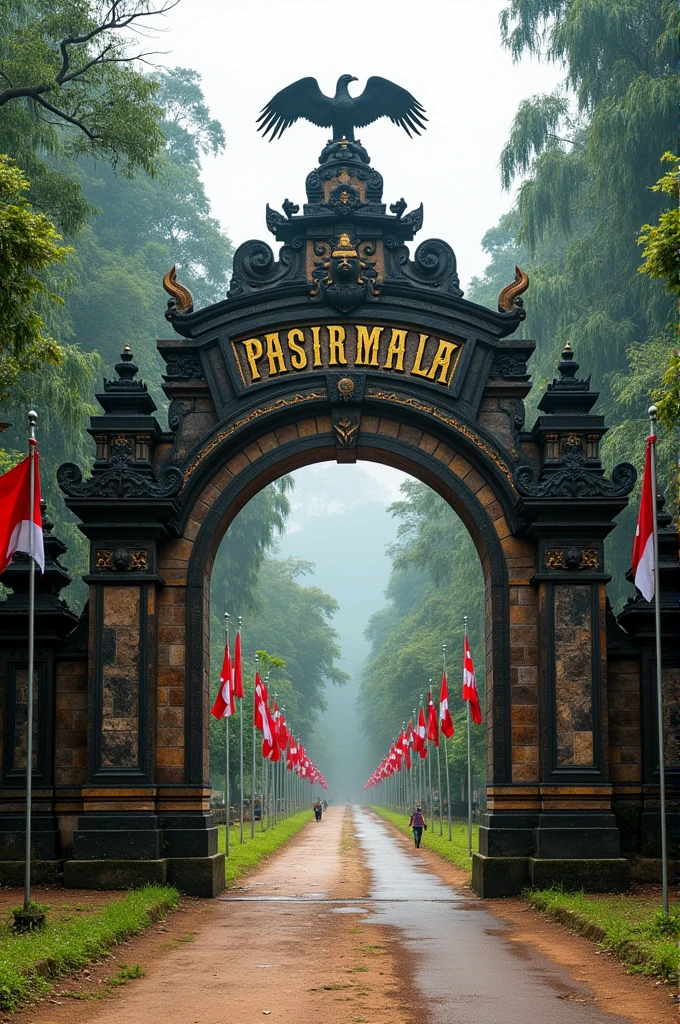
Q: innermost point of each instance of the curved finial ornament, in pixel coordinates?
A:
(181, 299)
(509, 300)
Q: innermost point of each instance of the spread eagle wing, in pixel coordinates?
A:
(301, 99)
(382, 98)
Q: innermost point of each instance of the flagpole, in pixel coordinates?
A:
(469, 764)
(240, 733)
(253, 777)
(446, 760)
(429, 759)
(32, 420)
(227, 794)
(659, 675)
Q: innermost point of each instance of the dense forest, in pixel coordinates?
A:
(587, 159)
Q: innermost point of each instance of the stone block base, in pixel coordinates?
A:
(43, 872)
(114, 874)
(195, 876)
(596, 875)
(198, 876)
(499, 876)
(508, 876)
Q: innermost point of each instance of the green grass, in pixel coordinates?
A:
(243, 857)
(633, 928)
(455, 851)
(28, 963)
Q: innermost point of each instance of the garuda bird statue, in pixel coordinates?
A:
(342, 112)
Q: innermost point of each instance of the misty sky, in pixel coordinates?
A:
(446, 52)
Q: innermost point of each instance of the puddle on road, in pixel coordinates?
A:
(350, 910)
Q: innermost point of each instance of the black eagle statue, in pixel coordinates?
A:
(342, 112)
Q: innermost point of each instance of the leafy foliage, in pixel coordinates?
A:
(436, 579)
(589, 152)
(72, 86)
(29, 245)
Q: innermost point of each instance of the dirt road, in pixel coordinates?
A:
(349, 924)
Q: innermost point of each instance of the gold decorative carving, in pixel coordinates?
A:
(139, 561)
(183, 299)
(280, 403)
(451, 421)
(509, 299)
(346, 430)
(345, 386)
(104, 559)
(572, 558)
(573, 439)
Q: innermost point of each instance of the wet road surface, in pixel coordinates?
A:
(466, 970)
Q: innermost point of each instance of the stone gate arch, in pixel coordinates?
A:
(343, 348)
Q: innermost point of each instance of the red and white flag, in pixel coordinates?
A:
(238, 667)
(470, 686)
(21, 526)
(224, 701)
(432, 725)
(445, 720)
(643, 546)
(419, 743)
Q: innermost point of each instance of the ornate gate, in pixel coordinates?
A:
(343, 348)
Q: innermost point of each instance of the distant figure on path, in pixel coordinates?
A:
(417, 823)
(317, 810)
(325, 805)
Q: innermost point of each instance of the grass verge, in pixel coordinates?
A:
(243, 857)
(455, 851)
(633, 928)
(29, 963)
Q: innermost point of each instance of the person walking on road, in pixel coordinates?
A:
(417, 823)
(317, 810)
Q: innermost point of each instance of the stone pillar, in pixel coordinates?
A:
(641, 752)
(565, 833)
(129, 834)
(53, 622)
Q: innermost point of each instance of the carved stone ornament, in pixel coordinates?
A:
(126, 370)
(256, 268)
(575, 479)
(346, 430)
(433, 265)
(184, 367)
(120, 480)
(572, 558)
(181, 299)
(508, 365)
(121, 560)
(509, 300)
(344, 280)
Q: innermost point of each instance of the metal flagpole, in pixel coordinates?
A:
(240, 734)
(32, 420)
(659, 676)
(439, 783)
(446, 761)
(253, 776)
(469, 757)
(227, 794)
(429, 764)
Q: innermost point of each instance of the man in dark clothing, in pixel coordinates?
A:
(417, 823)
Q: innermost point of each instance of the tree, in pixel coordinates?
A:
(588, 154)
(661, 260)
(436, 579)
(72, 86)
(29, 245)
